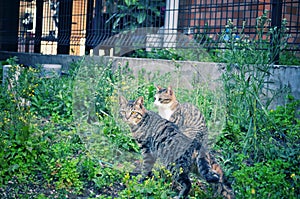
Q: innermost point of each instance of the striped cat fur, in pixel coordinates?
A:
(161, 141)
(192, 123)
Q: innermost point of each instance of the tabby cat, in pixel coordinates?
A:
(161, 140)
(191, 122)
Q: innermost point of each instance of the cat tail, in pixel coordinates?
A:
(205, 169)
(222, 187)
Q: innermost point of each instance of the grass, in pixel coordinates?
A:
(70, 141)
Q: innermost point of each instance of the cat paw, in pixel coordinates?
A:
(212, 177)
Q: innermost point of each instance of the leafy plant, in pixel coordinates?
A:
(169, 54)
(19, 147)
(132, 14)
(156, 187)
(10, 61)
(261, 144)
(65, 170)
(289, 58)
(35, 154)
(53, 98)
(116, 135)
(265, 179)
(107, 176)
(245, 76)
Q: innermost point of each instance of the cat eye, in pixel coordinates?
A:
(133, 112)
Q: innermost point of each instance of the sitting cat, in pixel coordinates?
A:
(191, 122)
(160, 139)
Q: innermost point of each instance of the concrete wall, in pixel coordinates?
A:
(191, 72)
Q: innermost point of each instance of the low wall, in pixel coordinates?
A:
(190, 71)
(200, 72)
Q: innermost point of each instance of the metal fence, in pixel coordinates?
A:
(114, 27)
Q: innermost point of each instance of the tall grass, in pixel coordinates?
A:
(245, 78)
(252, 135)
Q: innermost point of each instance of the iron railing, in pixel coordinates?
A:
(117, 27)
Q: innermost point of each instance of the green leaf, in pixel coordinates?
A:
(141, 7)
(130, 2)
(156, 12)
(116, 23)
(14, 167)
(141, 17)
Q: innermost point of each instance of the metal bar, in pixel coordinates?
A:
(39, 26)
(64, 26)
(89, 26)
(201, 20)
(276, 22)
(9, 25)
(171, 23)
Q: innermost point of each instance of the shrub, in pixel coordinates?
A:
(266, 180)
(20, 147)
(53, 98)
(156, 187)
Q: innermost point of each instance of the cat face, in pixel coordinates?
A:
(164, 97)
(131, 111)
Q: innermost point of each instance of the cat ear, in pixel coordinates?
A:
(158, 88)
(140, 101)
(122, 100)
(170, 91)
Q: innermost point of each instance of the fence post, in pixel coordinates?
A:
(39, 26)
(171, 23)
(90, 33)
(64, 26)
(9, 23)
(276, 22)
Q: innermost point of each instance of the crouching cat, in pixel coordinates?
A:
(192, 123)
(161, 140)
